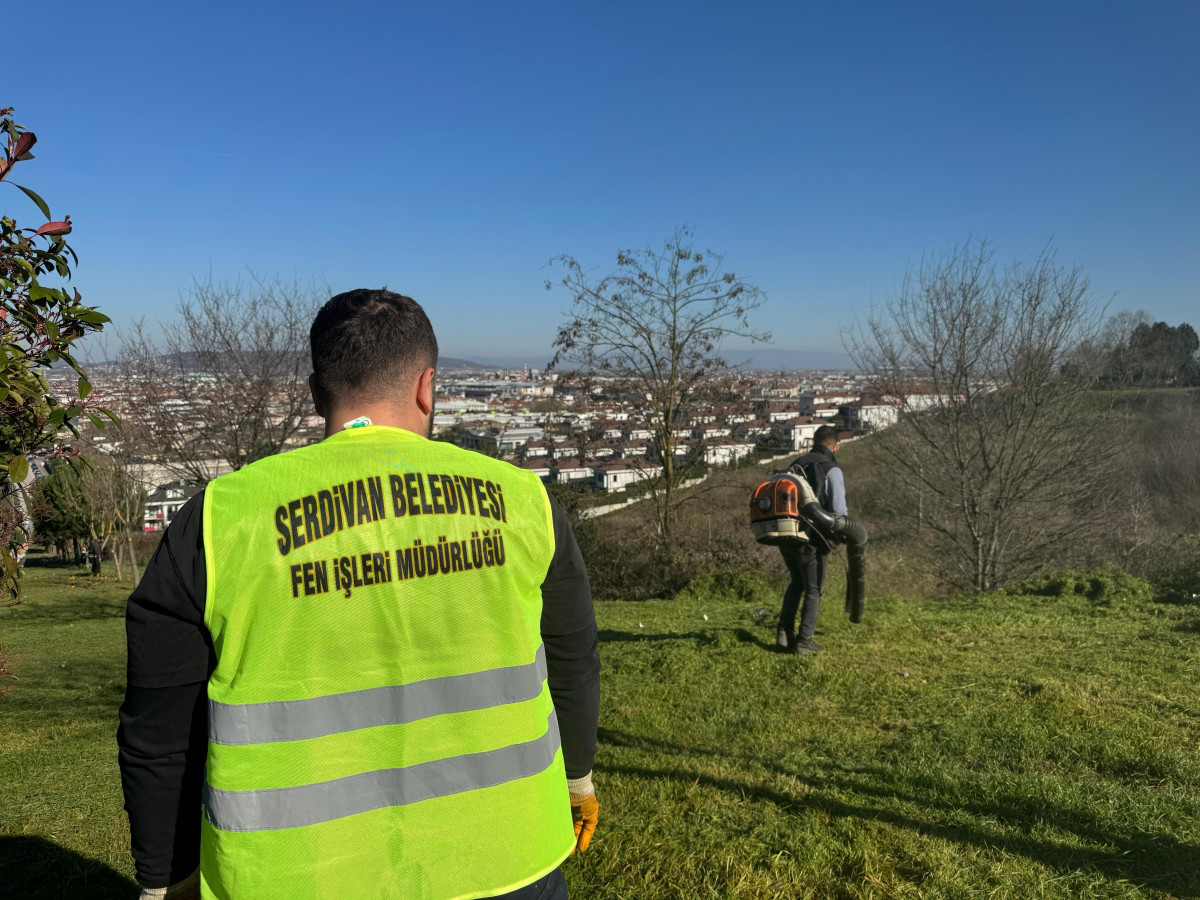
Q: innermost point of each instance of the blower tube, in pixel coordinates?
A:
(853, 534)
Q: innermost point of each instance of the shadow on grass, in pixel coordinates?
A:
(1154, 861)
(608, 636)
(33, 868)
(53, 562)
(699, 638)
(654, 745)
(81, 607)
(72, 596)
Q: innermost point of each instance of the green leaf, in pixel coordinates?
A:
(52, 331)
(3, 393)
(94, 318)
(97, 421)
(84, 389)
(58, 416)
(41, 204)
(18, 468)
(108, 412)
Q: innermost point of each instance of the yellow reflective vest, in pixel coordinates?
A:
(379, 719)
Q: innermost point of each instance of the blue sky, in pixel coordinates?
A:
(449, 150)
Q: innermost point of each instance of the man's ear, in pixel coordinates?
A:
(316, 397)
(425, 392)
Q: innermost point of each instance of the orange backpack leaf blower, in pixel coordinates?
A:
(785, 511)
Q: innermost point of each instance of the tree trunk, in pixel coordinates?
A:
(134, 574)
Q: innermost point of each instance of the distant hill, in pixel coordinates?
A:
(772, 359)
(766, 359)
(453, 362)
(533, 360)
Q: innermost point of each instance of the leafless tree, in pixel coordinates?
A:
(653, 328)
(1002, 448)
(227, 382)
(117, 500)
(98, 495)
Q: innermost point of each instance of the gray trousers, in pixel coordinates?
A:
(807, 568)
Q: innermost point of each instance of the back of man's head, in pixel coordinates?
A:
(825, 436)
(370, 343)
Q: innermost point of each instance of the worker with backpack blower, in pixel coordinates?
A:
(806, 561)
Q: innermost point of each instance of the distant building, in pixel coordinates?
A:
(568, 471)
(165, 502)
(616, 475)
(725, 451)
(869, 416)
(797, 433)
(501, 441)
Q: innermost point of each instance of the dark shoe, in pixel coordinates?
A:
(782, 639)
(802, 647)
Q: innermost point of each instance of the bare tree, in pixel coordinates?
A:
(653, 329)
(228, 383)
(118, 501)
(119, 484)
(999, 451)
(97, 497)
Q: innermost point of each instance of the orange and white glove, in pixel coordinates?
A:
(188, 889)
(584, 810)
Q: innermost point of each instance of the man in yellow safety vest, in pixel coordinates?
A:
(367, 667)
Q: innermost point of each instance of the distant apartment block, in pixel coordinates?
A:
(501, 441)
(165, 502)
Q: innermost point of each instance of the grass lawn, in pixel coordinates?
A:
(1023, 747)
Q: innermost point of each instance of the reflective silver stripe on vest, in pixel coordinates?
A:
(310, 804)
(297, 720)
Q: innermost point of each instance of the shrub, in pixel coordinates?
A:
(742, 586)
(1108, 586)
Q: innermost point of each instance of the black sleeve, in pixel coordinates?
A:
(572, 652)
(163, 722)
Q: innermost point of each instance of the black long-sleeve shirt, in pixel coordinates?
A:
(163, 731)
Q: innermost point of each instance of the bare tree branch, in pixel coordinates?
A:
(999, 445)
(228, 385)
(653, 328)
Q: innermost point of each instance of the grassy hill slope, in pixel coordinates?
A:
(1039, 746)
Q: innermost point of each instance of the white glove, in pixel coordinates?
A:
(188, 889)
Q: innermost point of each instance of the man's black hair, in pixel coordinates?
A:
(826, 435)
(366, 340)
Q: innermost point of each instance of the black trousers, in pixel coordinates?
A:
(807, 568)
(548, 887)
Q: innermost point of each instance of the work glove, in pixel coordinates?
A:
(585, 811)
(188, 889)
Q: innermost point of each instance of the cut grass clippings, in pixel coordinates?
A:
(1042, 745)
